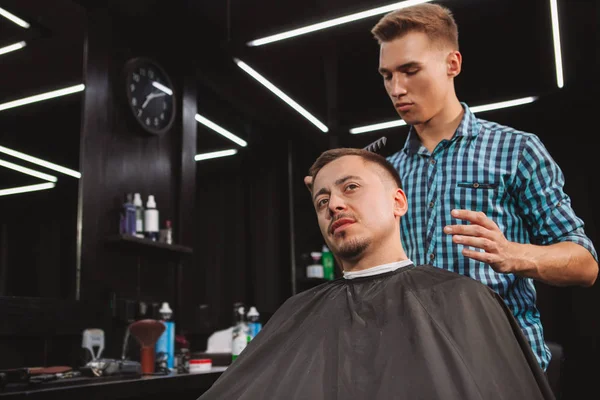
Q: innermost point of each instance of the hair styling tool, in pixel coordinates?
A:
(376, 145)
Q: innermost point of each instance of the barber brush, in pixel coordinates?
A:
(147, 332)
(376, 145)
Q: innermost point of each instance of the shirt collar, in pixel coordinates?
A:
(468, 127)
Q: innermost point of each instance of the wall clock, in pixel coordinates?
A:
(150, 95)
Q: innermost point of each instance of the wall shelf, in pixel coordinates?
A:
(140, 243)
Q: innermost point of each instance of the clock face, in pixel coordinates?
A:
(150, 95)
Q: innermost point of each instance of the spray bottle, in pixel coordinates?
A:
(165, 346)
(254, 324)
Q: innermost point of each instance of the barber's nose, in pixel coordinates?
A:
(397, 87)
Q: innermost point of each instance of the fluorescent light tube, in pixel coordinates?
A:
(38, 161)
(12, 47)
(503, 104)
(28, 171)
(222, 131)
(215, 154)
(13, 18)
(280, 94)
(376, 127)
(25, 189)
(556, 40)
(333, 22)
(476, 109)
(42, 96)
(162, 88)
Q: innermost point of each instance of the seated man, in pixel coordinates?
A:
(388, 329)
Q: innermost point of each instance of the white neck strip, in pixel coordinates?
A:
(380, 269)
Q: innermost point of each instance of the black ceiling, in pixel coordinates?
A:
(506, 45)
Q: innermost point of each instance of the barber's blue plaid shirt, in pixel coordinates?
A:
(511, 177)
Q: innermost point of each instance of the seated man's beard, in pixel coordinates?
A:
(353, 248)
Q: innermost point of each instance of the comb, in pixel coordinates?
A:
(376, 145)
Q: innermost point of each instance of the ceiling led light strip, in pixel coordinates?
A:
(27, 171)
(334, 22)
(12, 47)
(25, 189)
(42, 96)
(246, 68)
(215, 154)
(556, 40)
(40, 162)
(221, 131)
(476, 109)
(14, 18)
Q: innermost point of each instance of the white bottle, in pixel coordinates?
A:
(151, 219)
(139, 215)
(315, 270)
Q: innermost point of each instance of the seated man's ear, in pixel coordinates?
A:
(308, 182)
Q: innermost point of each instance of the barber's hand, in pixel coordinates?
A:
(308, 183)
(483, 233)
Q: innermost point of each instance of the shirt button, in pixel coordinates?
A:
(476, 185)
(431, 204)
(431, 256)
(432, 162)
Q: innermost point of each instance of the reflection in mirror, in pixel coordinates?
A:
(39, 151)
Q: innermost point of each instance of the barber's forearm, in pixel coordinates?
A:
(560, 264)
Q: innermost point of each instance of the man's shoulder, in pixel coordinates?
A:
(491, 128)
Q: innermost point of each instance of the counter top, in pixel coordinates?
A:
(107, 388)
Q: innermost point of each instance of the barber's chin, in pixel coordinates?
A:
(410, 119)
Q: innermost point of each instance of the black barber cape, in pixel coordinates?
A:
(416, 333)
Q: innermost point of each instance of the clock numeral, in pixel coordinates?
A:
(155, 121)
(136, 77)
(164, 105)
(143, 71)
(131, 87)
(147, 121)
(150, 74)
(162, 116)
(134, 102)
(139, 112)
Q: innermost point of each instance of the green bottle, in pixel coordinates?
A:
(328, 263)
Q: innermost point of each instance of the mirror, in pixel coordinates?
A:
(39, 148)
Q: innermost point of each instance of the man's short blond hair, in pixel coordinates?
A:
(436, 21)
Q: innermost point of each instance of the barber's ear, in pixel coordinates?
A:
(308, 180)
(454, 63)
(400, 203)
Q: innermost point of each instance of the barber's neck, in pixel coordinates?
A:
(442, 125)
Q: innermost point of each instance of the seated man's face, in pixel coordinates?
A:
(356, 209)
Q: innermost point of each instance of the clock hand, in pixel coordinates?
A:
(150, 97)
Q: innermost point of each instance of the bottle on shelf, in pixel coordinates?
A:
(328, 263)
(128, 218)
(165, 346)
(139, 215)
(151, 219)
(240, 333)
(315, 269)
(254, 324)
(169, 232)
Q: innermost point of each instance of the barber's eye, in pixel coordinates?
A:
(352, 186)
(412, 72)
